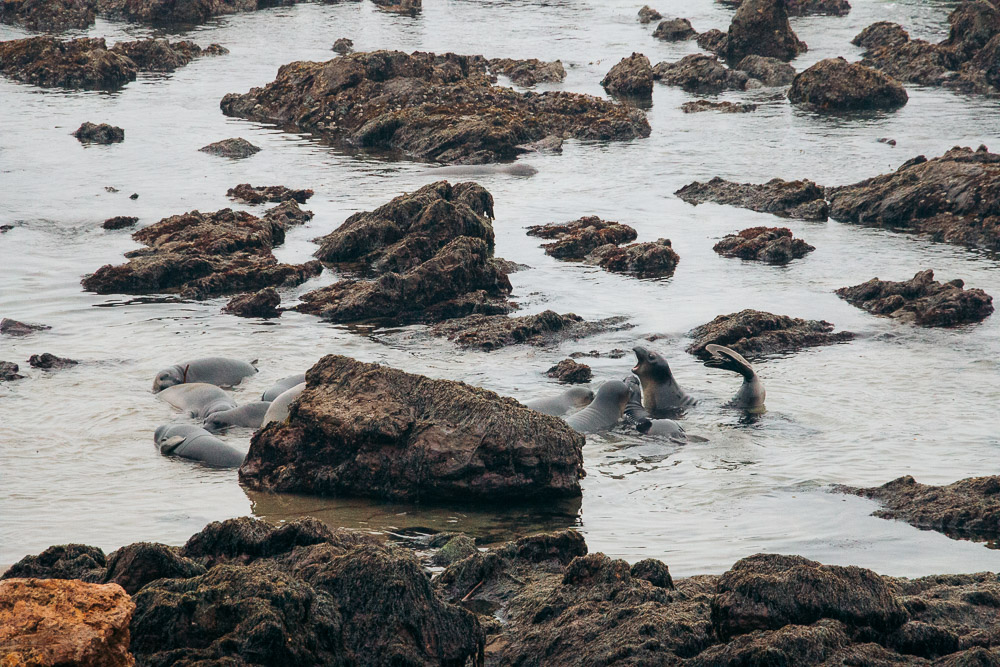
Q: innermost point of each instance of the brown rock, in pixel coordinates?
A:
(700, 73)
(674, 30)
(761, 27)
(159, 55)
(528, 72)
(49, 15)
(769, 71)
(786, 199)
(78, 63)
(159, 12)
(260, 304)
(570, 372)
(14, 328)
(810, 7)
(409, 7)
(754, 333)
(64, 622)
(837, 85)
(632, 77)
(120, 222)
(234, 149)
(655, 259)
(647, 14)
(89, 133)
(771, 245)
(882, 33)
(698, 106)
(261, 194)
(135, 565)
(921, 300)
(491, 332)
(66, 561)
(9, 371)
(713, 40)
(579, 238)
(49, 361)
(343, 46)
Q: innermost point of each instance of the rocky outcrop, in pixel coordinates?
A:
(785, 199)
(921, 300)
(579, 238)
(654, 259)
(837, 85)
(50, 361)
(369, 100)
(700, 73)
(632, 77)
(120, 222)
(235, 149)
(754, 334)
(713, 40)
(9, 371)
(771, 72)
(261, 194)
(647, 14)
(201, 255)
(160, 12)
(66, 561)
(362, 429)
(570, 372)
(771, 245)
(90, 133)
(79, 63)
(810, 7)
(11, 327)
(675, 30)
(160, 55)
(491, 332)
(407, 7)
(58, 622)
(952, 198)
(698, 106)
(528, 72)
(259, 304)
(967, 509)
(49, 15)
(760, 27)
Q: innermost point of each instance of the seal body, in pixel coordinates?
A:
(283, 385)
(193, 442)
(198, 399)
(278, 410)
(557, 406)
(751, 393)
(640, 418)
(605, 410)
(219, 371)
(661, 395)
(518, 169)
(250, 415)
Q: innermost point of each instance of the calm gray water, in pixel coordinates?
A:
(77, 462)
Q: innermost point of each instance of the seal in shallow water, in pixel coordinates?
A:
(198, 399)
(219, 371)
(514, 169)
(605, 410)
(635, 413)
(751, 394)
(661, 395)
(193, 442)
(557, 406)
(250, 415)
(282, 385)
(278, 411)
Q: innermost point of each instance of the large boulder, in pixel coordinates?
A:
(49, 15)
(430, 107)
(79, 63)
(761, 27)
(754, 333)
(367, 430)
(837, 85)
(632, 77)
(786, 199)
(700, 73)
(921, 300)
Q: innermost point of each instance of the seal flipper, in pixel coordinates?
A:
(751, 394)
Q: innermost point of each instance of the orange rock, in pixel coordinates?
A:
(64, 622)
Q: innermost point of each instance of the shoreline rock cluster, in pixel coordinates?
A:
(921, 300)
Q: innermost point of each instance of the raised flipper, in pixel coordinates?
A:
(751, 395)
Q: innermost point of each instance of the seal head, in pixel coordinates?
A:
(661, 395)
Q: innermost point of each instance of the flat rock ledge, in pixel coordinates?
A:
(755, 334)
(786, 199)
(921, 300)
(771, 245)
(492, 332)
(367, 430)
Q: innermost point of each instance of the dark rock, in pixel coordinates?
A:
(261, 194)
(528, 72)
(886, 140)
(203, 255)
(159, 12)
(973, 24)
(49, 15)
(655, 259)
(698, 106)
(810, 7)
(921, 300)
(159, 55)
(786, 199)
(760, 27)
(570, 372)
(343, 46)
(454, 550)
(66, 561)
(6, 228)
(49, 361)
(235, 149)
(883, 33)
(491, 332)
(769, 71)
(772, 245)
(288, 214)
(134, 196)
(647, 14)
(9, 371)
(89, 133)
(700, 73)
(367, 430)
(616, 353)
(368, 100)
(713, 40)
(754, 333)
(79, 63)
(675, 30)
(837, 85)
(244, 540)
(632, 77)
(409, 7)
(653, 571)
(260, 304)
(135, 565)
(15, 328)
(579, 238)
(120, 222)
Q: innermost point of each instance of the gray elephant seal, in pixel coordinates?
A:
(640, 418)
(661, 395)
(751, 394)
(513, 169)
(219, 371)
(198, 399)
(193, 442)
(605, 410)
(557, 406)
(278, 411)
(250, 415)
(282, 385)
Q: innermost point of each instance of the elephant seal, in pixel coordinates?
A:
(198, 399)
(193, 442)
(219, 371)
(751, 394)
(661, 395)
(278, 411)
(557, 406)
(519, 169)
(282, 385)
(635, 413)
(250, 415)
(605, 410)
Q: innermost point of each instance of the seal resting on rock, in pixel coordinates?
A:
(635, 413)
(605, 410)
(751, 394)
(557, 406)
(198, 399)
(193, 442)
(278, 410)
(250, 415)
(281, 386)
(661, 394)
(219, 371)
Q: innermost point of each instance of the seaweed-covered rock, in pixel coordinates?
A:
(786, 199)
(235, 149)
(769, 71)
(455, 549)
(362, 429)
(579, 238)
(369, 100)
(771, 245)
(91, 133)
(259, 304)
(570, 372)
(159, 12)
(11, 327)
(65, 561)
(700, 73)
(653, 259)
(632, 77)
(528, 72)
(343, 46)
(647, 14)
(837, 85)
(160, 55)
(674, 30)
(654, 571)
(79, 63)
(810, 7)
(49, 361)
(754, 333)
(135, 565)
(49, 15)
(921, 300)
(761, 27)
(408, 7)
(120, 222)
(698, 106)
(882, 33)
(491, 332)
(261, 194)
(9, 371)
(712, 40)
(244, 539)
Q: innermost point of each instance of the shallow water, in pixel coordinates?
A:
(77, 462)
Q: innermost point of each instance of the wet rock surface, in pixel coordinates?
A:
(49, 15)
(120, 222)
(9, 371)
(809, 7)
(632, 77)
(771, 72)
(49, 361)
(700, 73)
(698, 106)
(160, 55)
(343, 46)
(760, 27)
(491, 332)
(570, 372)
(674, 30)
(366, 430)
(408, 7)
(786, 199)
(754, 334)
(200, 255)
(79, 63)
(921, 300)
(647, 14)
(159, 12)
(771, 245)
(235, 149)
(259, 304)
(91, 133)
(11, 327)
(837, 85)
(367, 100)
(528, 72)
(579, 238)
(653, 259)
(262, 194)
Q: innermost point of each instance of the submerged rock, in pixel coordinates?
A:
(647, 14)
(700, 73)
(579, 238)
(760, 27)
(754, 333)
(120, 222)
(921, 300)
(698, 106)
(654, 259)
(90, 133)
(570, 372)
(491, 332)
(260, 304)
(343, 46)
(9, 371)
(674, 30)
(771, 245)
(528, 72)
(48, 361)
(79, 63)
(837, 85)
(261, 194)
(632, 77)
(14, 328)
(367, 430)
(49, 15)
(770, 72)
(160, 55)
(235, 149)
(786, 199)
(367, 100)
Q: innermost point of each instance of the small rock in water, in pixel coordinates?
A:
(772, 245)
(632, 77)
(570, 372)
(921, 300)
(787, 199)
(577, 239)
(410, 7)
(235, 149)
(653, 259)
(700, 73)
(723, 107)
(675, 30)
(8, 371)
(109, 188)
(120, 222)
(887, 140)
(647, 15)
(271, 193)
(6, 228)
(90, 133)
(46, 360)
(134, 195)
(837, 85)
(15, 328)
(754, 333)
(343, 45)
(491, 332)
(260, 304)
